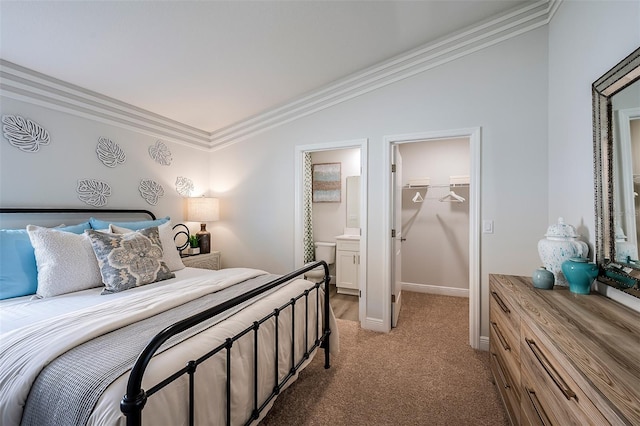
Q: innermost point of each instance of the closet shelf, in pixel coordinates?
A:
(442, 185)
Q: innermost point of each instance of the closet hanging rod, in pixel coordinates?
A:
(441, 185)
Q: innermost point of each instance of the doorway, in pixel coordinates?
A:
(335, 219)
(392, 144)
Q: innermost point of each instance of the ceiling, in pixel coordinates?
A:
(213, 64)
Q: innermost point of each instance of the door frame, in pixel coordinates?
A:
(362, 144)
(474, 136)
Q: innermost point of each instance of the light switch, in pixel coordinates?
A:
(487, 227)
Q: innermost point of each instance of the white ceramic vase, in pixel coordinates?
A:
(625, 250)
(560, 243)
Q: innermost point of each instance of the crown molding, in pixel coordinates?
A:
(454, 46)
(24, 84)
(30, 86)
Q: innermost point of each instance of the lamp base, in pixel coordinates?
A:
(204, 239)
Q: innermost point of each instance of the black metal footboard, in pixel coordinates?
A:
(135, 399)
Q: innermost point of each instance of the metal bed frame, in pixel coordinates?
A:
(135, 398)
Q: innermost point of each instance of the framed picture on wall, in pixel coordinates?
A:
(326, 183)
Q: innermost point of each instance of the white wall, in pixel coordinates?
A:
(49, 177)
(586, 39)
(501, 88)
(436, 250)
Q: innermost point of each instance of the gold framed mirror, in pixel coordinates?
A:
(616, 142)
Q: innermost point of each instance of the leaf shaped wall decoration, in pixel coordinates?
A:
(93, 192)
(160, 153)
(184, 186)
(24, 134)
(151, 191)
(110, 152)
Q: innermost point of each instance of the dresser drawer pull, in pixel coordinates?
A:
(536, 406)
(502, 305)
(560, 383)
(502, 376)
(503, 341)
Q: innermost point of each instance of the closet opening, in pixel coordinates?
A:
(434, 215)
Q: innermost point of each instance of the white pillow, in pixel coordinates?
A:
(66, 261)
(170, 254)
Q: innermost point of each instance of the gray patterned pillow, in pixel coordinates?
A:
(129, 260)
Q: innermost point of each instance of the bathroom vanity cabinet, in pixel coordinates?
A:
(559, 358)
(348, 265)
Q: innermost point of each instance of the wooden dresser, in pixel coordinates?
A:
(563, 359)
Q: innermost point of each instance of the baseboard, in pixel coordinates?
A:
(374, 324)
(434, 289)
(484, 343)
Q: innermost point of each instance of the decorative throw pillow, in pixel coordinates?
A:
(65, 261)
(129, 260)
(171, 255)
(135, 225)
(18, 270)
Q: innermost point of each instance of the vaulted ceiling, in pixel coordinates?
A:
(216, 65)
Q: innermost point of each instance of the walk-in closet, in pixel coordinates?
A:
(435, 216)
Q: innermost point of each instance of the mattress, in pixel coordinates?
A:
(35, 332)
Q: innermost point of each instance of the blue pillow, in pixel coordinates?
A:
(18, 270)
(134, 226)
(75, 229)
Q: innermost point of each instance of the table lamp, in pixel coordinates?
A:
(203, 209)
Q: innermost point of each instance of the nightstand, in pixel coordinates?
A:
(203, 261)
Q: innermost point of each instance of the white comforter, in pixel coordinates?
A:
(25, 350)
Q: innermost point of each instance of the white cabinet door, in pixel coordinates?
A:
(347, 273)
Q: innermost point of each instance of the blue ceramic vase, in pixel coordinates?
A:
(543, 278)
(580, 273)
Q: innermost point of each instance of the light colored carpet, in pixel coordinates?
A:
(421, 373)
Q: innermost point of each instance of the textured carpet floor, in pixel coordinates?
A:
(421, 373)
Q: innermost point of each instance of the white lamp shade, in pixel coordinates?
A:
(203, 209)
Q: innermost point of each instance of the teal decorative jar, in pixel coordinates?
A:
(580, 273)
(543, 278)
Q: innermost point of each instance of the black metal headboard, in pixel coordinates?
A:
(95, 212)
(28, 210)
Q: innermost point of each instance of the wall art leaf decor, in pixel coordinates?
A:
(184, 186)
(160, 153)
(151, 191)
(93, 192)
(110, 152)
(24, 134)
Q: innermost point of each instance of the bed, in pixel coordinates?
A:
(193, 347)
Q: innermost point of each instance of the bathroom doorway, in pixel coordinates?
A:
(341, 220)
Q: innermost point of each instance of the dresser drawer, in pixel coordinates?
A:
(509, 390)
(504, 328)
(504, 347)
(502, 302)
(505, 333)
(507, 347)
(549, 395)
